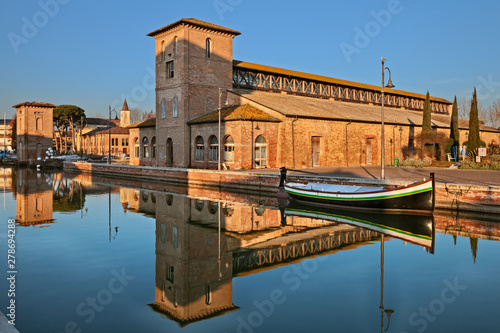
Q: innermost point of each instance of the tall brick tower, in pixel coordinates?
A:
(35, 130)
(193, 60)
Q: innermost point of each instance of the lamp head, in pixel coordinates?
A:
(389, 84)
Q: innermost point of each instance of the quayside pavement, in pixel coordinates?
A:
(442, 175)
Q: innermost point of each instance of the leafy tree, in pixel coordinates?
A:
(474, 141)
(67, 116)
(426, 118)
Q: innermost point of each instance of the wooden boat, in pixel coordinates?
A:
(414, 228)
(414, 198)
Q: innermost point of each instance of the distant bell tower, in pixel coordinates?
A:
(125, 115)
(194, 59)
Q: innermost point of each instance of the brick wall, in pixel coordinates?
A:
(34, 131)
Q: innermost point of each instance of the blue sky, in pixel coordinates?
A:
(93, 53)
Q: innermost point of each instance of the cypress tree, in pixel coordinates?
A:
(454, 133)
(426, 118)
(474, 141)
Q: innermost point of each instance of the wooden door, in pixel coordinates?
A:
(315, 148)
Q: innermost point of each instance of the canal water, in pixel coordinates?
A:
(102, 255)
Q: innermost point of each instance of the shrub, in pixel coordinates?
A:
(416, 162)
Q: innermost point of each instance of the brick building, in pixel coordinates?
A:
(35, 130)
(143, 143)
(6, 134)
(97, 134)
(271, 117)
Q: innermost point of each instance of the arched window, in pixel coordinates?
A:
(38, 124)
(260, 152)
(208, 295)
(260, 211)
(228, 210)
(163, 51)
(200, 149)
(213, 150)
(208, 48)
(163, 112)
(175, 46)
(229, 149)
(199, 205)
(136, 146)
(145, 145)
(174, 107)
(213, 207)
(169, 151)
(153, 147)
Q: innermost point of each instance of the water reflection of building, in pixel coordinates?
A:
(193, 266)
(33, 197)
(6, 179)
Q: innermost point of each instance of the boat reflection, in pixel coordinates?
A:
(416, 229)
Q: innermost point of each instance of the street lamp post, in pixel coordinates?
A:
(109, 134)
(219, 150)
(382, 137)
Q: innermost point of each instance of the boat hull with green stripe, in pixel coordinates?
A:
(414, 198)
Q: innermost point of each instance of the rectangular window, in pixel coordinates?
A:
(174, 237)
(229, 153)
(170, 274)
(200, 151)
(213, 153)
(163, 232)
(170, 69)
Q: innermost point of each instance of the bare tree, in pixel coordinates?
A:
(493, 115)
(464, 109)
(137, 115)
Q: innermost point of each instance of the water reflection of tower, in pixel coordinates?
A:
(34, 198)
(193, 279)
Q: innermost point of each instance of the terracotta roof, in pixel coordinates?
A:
(326, 79)
(317, 108)
(125, 105)
(37, 104)
(98, 121)
(114, 130)
(151, 122)
(192, 318)
(196, 23)
(235, 112)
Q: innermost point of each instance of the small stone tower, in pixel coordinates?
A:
(194, 59)
(35, 130)
(125, 115)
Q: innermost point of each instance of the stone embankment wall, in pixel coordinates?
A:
(481, 199)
